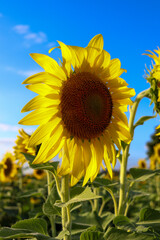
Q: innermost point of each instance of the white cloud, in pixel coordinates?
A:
(24, 73)
(21, 29)
(51, 44)
(6, 127)
(39, 37)
(14, 128)
(27, 73)
(6, 145)
(29, 36)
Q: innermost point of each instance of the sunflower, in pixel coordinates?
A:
(153, 77)
(9, 168)
(39, 173)
(153, 162)
(142, 163)
(79, 109)
(157, 152)
(22, 146)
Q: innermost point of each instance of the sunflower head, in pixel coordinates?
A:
(39, 173)
(153, 162)
(142, 163)
(79, 109)
(157, 152)
(9, 168)
(153, 77)
(22, 146)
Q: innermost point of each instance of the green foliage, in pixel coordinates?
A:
(143, 119)
(143, 174)
(49, 208)
(92, 233)
(28, 228)
(86, 195)
(119, 234)
(32, 224)
(49, 166)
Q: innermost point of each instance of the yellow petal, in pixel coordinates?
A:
(42, 89)
(67, 57)
(96, 42)
(43, 132)
(38, 102)
(49, 65)
(52, 146)
(39, 116)
(44, 77)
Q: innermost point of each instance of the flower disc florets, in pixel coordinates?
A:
(86, 105)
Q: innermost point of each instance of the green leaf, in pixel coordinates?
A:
(12, 233)
(118, 234)
(49, 208)
(150, 217)
(50, 166)
(86, 195)
(149, 214)
(92, 234)
(62, 234)
(85, 219)
(143, 119)
(107, 219)
(121, 221)
(38, 225)
(143, 174)
(29, 194)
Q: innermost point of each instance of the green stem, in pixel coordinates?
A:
(51, 218)
(114, 201)
(96, 201)
(125, 152)
(66, 217)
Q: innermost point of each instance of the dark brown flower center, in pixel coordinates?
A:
(8, 167)
(143, 165)
(39, 172)
(86, 105)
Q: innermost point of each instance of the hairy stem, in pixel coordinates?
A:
(51, 218)
(66, 217)
(123, 167)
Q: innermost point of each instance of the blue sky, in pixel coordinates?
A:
(128, 27)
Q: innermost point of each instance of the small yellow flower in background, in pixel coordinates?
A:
(153, 162)
(153, 77)
(8, 168)
(157, 152)
(39, 173)
(22, 146)
(79, 109)
(142, 163)
(34, 200)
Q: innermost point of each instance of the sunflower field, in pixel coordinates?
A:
(80, 112)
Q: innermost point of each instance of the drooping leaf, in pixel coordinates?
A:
(92, 234)
(143, 174)
(50, 166)
(143, 119)
(119, 234)
(49, 208)
(38, 225)
(86, 195)
(13, 233)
